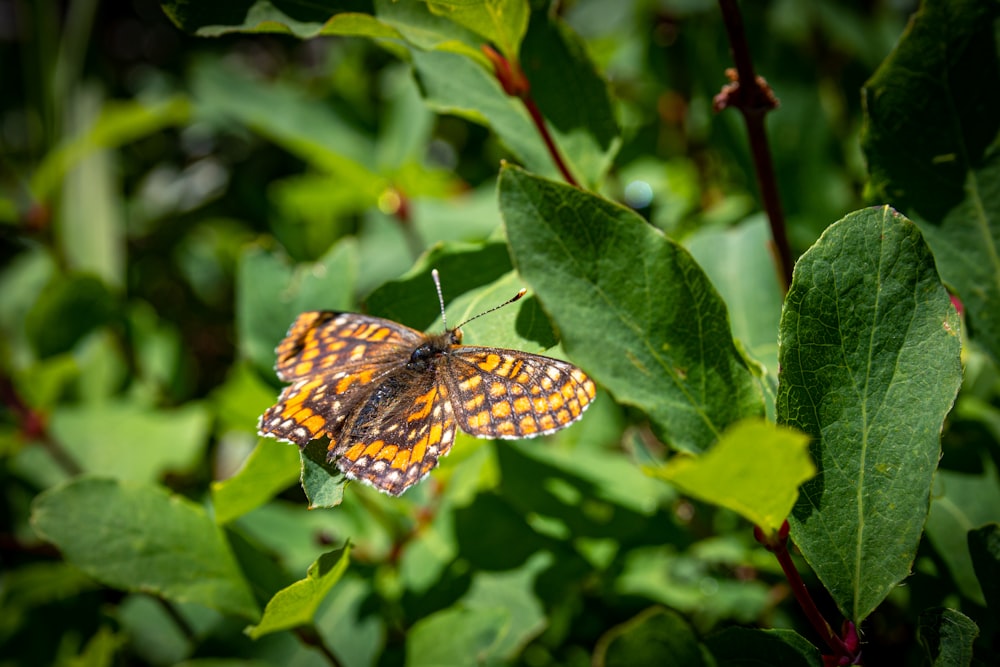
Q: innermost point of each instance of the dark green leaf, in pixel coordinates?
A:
(67, 310)
(931, 139)
(633, 308)
(947, 636)
(656, 637)
(961, 503)
(572, 95)
(869, 355)
(140, 538)
(984, 547)
(750, 647)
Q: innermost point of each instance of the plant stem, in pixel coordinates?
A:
(539, 120)
(33, 426)
(751, 95)
(513, 81)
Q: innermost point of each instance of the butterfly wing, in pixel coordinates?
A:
(396, 435)
(332, 359)
(500, 393)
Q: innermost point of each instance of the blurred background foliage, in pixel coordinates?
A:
(162, 194)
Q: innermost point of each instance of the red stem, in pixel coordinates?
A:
(543, 129)
(516, 84)
(752, 96)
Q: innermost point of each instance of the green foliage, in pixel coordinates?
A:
(869, 356)
(171, 203)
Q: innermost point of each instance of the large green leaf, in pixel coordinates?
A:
(138, 537)
(933, 149)
(130, 441)
(869, 355)
(632, 307)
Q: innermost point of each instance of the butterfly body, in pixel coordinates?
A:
(389, 397)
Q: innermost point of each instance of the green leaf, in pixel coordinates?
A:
(117, 123)
(502, 22)
(947, 636)
(270, 468)
(138, 537)
(633, 308)
(322, 480)
(271, 294)
(984, 547)
(429, 31)
(745, 647)
(68, 309)
(656, 637)
(100, 650)
(572, 96)
(456, 636)
(90, 234)
(961, 503)
(305, 21)
(129, 441)
(474, 279)
(302, 126)
(754, 470)
(515, 591)
(453, 84)
(739, 263)
(933, 149)
(296, 605)
(463, 267)
(869, 356)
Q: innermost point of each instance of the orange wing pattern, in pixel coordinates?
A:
(508, 394)
(389, 398)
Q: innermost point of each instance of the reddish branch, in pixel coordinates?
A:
(34, 428)
(751, 95)
(846, 647)
(515, 83)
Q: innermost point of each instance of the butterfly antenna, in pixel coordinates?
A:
(437, 284)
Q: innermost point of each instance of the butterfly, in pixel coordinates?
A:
(389, 397)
